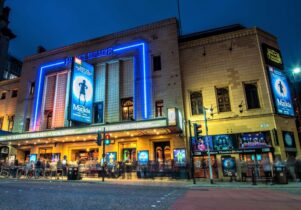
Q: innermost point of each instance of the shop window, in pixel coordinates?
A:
(159, 108)
(3, 95)
(127, 109)
(98, 112)
(223, 99)
(252, 95)
(11, 123)
(196, 101)
(32, 87)
(1, 122)
(14, 93)
(27, 124)
(49, 120)
(157, 63)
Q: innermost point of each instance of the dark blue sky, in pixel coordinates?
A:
(56, 23)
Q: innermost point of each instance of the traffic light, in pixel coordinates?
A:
(98, 140)
(197, 131)
(107, 139)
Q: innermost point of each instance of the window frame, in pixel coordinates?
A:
(161, 108)
(190, 102)
(153, 62)
(245, 94)
(217, 101)
(129, 115)
(14, 93)
(3, 93)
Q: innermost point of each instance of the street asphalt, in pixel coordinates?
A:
(54, 194)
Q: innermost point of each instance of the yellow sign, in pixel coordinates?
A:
(274, 56)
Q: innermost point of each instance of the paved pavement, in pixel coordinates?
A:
(146, 194)
(36, 195)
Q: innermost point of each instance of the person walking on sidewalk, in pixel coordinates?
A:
(243, 170)
(267, 168)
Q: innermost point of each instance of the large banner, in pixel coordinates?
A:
(81, 91)
(281, 92)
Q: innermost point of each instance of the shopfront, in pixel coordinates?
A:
(228, 150)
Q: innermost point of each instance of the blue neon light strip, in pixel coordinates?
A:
(40, 85)
(141, 46)
(48, 67)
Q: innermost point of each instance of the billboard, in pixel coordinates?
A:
(281, 92)
(143, 157)
(81, 91)
(223, 142)
(228, 166)
(179, 157)
(111, 158)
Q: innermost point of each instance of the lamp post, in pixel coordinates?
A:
(296, 71)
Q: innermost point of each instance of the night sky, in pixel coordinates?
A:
(57, 23)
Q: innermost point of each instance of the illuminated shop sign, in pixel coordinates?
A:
(289, 140)
(143, 157)
(179, 156)
(81, 91)
(254, 140)
(272, 56)
(87, 130)
(228, 166)
(281, 92)
(111, 158)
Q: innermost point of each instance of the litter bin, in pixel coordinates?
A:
(73, 173)
(280, 174)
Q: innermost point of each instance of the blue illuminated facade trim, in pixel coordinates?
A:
(145, 74)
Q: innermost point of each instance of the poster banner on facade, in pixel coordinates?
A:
(228, 166)
(81, 91)
(254, 140)
(33, 157)
(224, 142)
(203, 142)
(143, 157)
(111, 158)
(179, 157)
(281, 92)
(272, 56)
(289, 140)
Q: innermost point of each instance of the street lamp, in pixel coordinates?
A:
(296, 70)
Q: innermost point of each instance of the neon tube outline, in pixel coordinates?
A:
(65, 62)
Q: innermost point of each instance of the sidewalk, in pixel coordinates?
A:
(165, 182)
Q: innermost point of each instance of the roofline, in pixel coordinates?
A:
(104, 38)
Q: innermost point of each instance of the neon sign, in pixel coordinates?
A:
(144, 73)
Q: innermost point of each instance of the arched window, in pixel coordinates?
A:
(196, 101)
(127, 109)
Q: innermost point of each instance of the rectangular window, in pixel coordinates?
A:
(127, 109)
(1, 122)
(252, 95)
(14, 93)
(159, 108)
(223, 99)
(27, 124)
(98, 112)
(11, 120)
(196, 102)
(157, 63)
(32, 87)
(3, 95)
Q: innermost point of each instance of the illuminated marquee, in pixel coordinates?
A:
(145, 90)
(272, 56)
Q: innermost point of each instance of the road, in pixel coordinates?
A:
(31, 195)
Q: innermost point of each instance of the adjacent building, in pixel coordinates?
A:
(146, 88)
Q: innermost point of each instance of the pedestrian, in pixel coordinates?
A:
(291, 167)
(298, 167)
(267, 168)
(243, 170)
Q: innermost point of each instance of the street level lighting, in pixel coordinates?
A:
(296, 70)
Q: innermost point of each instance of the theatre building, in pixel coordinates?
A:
(146, 88)
(237, 74)
(127, 84)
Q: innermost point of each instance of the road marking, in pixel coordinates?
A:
(153, 206)
(158, 201)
